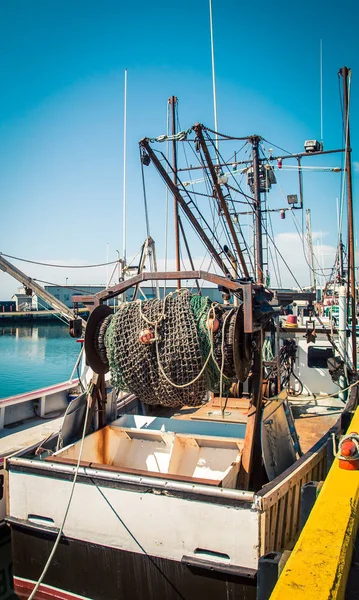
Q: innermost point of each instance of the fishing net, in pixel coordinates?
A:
(182, 362)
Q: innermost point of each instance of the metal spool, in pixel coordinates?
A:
(226, 331)
(167, 369)
(94, 335)
(242, 347)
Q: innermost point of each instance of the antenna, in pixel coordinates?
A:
(321, 88)
(124, 168)
(213, 75)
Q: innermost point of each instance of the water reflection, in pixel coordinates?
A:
(34, 356)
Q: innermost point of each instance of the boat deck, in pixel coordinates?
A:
(313, 415)
(27, 433)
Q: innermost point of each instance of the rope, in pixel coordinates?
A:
(228, 137)
(210, 354)
(322, 397)
(32, 595)
(222, 364)
(182, 354)
(267, 352)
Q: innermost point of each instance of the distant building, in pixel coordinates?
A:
(64, 294)
(22, 301)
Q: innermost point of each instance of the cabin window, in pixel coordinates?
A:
(317, 357)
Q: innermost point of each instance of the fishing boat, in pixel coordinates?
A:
(228, 413)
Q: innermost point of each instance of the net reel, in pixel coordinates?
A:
(172, 351)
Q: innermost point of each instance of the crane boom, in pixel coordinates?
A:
(56, 304)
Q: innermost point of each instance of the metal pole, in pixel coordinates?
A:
(348, 167)
(310, 248)
(173, 102)
(257, 209)
(341, 264)
(342, 334)
(188, 253)
(213, 78)
(124, 167)
(321, 89)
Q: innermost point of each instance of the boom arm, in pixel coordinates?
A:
(40, 291)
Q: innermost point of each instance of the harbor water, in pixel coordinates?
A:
(33, 356)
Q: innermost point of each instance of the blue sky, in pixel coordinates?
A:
(61, 112)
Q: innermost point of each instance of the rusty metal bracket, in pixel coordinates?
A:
(246, 288)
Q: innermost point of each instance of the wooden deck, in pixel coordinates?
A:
(314, 416)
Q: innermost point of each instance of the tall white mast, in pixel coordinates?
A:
(213, 74)
(321, 89)
(124, 168)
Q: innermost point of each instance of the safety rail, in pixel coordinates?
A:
(40, 395)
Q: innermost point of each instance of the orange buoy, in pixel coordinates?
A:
(146, 336)
(348, 453)
(213, 324)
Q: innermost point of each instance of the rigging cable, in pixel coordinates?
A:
(240, 191)
(320, 271)
(283, 259)
(34, 262)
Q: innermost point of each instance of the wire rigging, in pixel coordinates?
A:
(43, 264)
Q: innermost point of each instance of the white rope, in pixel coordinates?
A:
(320, 396)
(210, 354)
(222, 363)
(32, 595)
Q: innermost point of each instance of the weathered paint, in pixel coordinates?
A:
(319, 564)
(159, 524)
(82, 570)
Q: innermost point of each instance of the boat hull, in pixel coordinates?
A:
(86, 570)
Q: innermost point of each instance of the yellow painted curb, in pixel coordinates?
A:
(319, 565)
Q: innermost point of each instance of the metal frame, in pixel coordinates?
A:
(246, 288)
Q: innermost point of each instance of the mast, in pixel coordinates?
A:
(213, 78)
(173, 102)
(310, 248)
(345, 73)
(257, 208)
(124, 168)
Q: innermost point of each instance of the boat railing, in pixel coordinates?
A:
(280, 503)
(41, 395)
